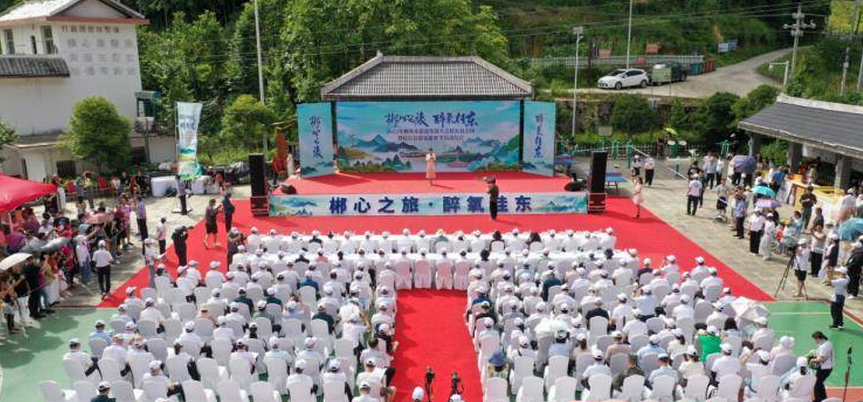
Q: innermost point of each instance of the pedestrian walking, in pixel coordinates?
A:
(141, 217)
(693, 194)
(179, 238)
(103, 260)
(637, 198)
(649, 170)
(228, 209)
(824, 364)
(709, 165)
(493, 194)
(212, 228)
(162, 234)
(150, 259)
(837, 301)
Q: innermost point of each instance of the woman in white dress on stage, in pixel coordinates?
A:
(430, 166)
(637, 198)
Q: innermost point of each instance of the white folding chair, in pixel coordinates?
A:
(51, 392)
(696, 388)
(211, 372)
(264, 392)
(531, 390)
(85, 390)
(195, 391)
(632, 389)
(110, 370)
(229, 391)
(122, 391)
(663, 389)
(563, 389)
(496, 390)
(334, 391)
(241, 372)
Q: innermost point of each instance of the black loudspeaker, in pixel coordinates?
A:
(598, 162)
(257, 175)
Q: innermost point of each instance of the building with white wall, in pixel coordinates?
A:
(55, 53)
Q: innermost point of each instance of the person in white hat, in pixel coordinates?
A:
(102, 258)
(664, 369)
(103, 389)
(598, 367)
(365, 393)
(693, 194)
(756, 229)
(725, 364)
(801, 265)
(300, 377)
(837, 301)
(417, 395)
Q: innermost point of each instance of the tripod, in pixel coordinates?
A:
(784, 278)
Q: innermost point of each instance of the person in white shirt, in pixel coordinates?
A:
(598, 367)
(162, 235)
(693, 195)
(75, 353)
(710, 165)
(756, 229)
(117, 351)
(768, 237)
(365, 394)
(801, 265)
(103, 260)
(837, 301)
(82, 254)
(725, 364)
(824, 361)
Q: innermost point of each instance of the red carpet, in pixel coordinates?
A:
(431, 331)
(376, 183)
(651, 236)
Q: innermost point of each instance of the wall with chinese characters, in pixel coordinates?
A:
(395, 136)
(538, 137)
(315, 123)
(425, 204)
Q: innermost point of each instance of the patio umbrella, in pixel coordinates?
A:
(765, 191)
(767, 203)
(851, 229)
(745, 163)
(13, 260)
(55, 244)
(550, 326)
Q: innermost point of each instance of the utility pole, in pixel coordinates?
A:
(577, 31)
(260, 66)
(629, 34)
(847, 62)
(797, 31)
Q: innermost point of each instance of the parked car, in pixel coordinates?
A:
(623, 78)
(670, 71)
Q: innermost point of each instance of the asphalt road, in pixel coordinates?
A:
(737, 78)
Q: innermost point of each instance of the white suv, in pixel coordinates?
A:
(623, 78)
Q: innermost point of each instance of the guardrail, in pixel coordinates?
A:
(637, 61)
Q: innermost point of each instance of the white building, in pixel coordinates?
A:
(55, 53)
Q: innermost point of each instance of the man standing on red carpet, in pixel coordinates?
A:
(493, 193)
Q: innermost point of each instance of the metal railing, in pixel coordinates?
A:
(636, 61)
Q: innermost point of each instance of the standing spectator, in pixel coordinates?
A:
(721, 200)
(493, 193)
(720, 168)
(181, 194)
(179, 238)
(824, 362)
(637, 198)
(141, 216)
(150, 258)
(837, 301)
(768, 236)
(807, 201)
(709, 164)
(819, 241)
(649, 170)
(212, 228)
(162, 234)
(801, 264)
(103, 260)
(90, 187)
(739, 213)
(847, 205)
(82, 258)
(637, 164)
(854, 266)
(693, 194)
(756, 229)
(818, 218)
(228, 209)
(32, 275)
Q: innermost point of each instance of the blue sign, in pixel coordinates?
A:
(425, 204)
(316, 139)
(396, 136)
(539, 124)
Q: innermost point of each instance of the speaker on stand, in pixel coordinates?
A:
(596, 182)
(257, 176)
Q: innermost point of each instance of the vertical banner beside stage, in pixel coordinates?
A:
(315, 123)
(538, 140)
(188, 119)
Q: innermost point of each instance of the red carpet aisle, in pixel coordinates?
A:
(650, 235)
(431, 331)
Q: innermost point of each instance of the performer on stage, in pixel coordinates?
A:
(431, 159)
(493, 193)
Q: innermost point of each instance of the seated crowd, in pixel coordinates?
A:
(554, 316)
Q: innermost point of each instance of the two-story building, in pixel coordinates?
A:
(53, 53)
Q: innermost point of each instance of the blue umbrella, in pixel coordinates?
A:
(851, 229)
(745, 163)
(765, 191)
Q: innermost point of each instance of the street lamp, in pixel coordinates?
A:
(577, 31)
(786, 64)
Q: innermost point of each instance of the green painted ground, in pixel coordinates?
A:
(26, 361)
(801, 319)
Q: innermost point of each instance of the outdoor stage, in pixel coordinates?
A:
(410, 194)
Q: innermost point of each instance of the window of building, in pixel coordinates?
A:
(9, 41)
(66, 168)
(48, 38)
(139, 155)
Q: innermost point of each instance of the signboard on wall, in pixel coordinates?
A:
(396, 136)
(538, 150)
(398, 204)
(315, 124)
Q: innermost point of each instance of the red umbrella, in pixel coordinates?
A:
(16, 192)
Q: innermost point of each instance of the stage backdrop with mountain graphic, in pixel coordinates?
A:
(539, 122)
(467, 136)
(315, 123)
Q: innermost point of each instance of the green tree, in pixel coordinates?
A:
(678, 117)
(98, 134)
(632, 114)
(246, 122)
(8, 135)
(754, 101)
(715, 117)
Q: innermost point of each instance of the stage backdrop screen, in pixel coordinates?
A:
(539, 123)
(315, 123)
(395, 136)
